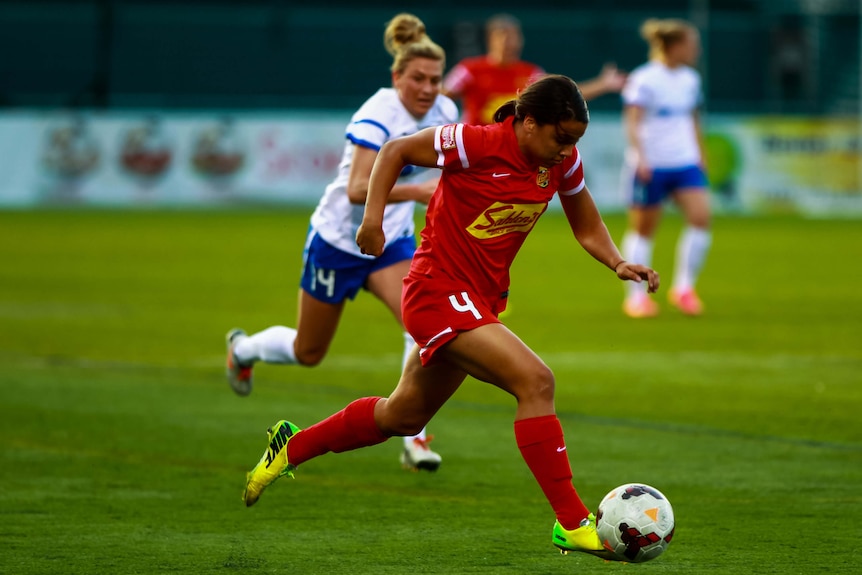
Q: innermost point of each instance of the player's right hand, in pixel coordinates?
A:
(370, 239)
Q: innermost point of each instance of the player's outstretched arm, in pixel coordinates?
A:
(592, 233)
(609, 80)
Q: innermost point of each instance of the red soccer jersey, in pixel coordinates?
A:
(483, 85)
(489, 198)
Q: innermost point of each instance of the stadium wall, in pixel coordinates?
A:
(760, 56)
(757, 164)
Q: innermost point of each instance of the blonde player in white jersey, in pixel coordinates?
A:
(665, 159)
(334, 269)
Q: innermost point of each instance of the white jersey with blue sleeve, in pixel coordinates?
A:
(669, 98)
(381, 118)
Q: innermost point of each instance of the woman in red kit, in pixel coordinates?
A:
(484, 82)
(496, 182)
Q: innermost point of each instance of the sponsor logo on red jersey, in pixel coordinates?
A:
(502, 218)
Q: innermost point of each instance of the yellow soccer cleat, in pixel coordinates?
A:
(584, 539)
(272, 465)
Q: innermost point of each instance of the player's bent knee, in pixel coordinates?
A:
(544, 390)
(310, 358)
(402, 428)
(402, 424)
(537, 387)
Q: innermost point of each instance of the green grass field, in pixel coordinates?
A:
(123, 451)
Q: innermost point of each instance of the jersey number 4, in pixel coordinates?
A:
(467, 304)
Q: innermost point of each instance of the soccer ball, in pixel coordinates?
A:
(635, 522)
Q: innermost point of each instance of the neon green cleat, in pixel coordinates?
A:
(273, 464)
(584, 539)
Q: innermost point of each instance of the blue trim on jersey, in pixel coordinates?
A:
(363, 143)
(333, 276)
(669, 112)
(664, 182)
(375, 123)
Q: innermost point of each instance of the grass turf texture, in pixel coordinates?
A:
(124, 450)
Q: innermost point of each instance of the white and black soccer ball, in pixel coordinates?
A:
(635, 522)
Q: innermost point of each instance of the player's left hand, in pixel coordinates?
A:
(612, 78)
(639, 273)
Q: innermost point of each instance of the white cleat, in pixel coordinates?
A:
(417, 455)
(238, 376)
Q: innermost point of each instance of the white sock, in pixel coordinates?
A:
(691, 250)
(408, 348)
(637, 249)
(272, 345)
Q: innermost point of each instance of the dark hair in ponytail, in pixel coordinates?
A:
(550, 100)
(506, 110)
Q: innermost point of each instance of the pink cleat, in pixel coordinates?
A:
(686, 301)
(640, 305)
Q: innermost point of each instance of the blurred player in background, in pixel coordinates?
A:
(665, 159)
(497, 181)
(484, 83)
(334, 268)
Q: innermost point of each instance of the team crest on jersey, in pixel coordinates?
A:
(447, 137)
(544, 177)
(501, 218)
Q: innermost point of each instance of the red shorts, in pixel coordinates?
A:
(437, 309)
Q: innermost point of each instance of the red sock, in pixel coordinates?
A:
(543, 447)
(351, 428)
